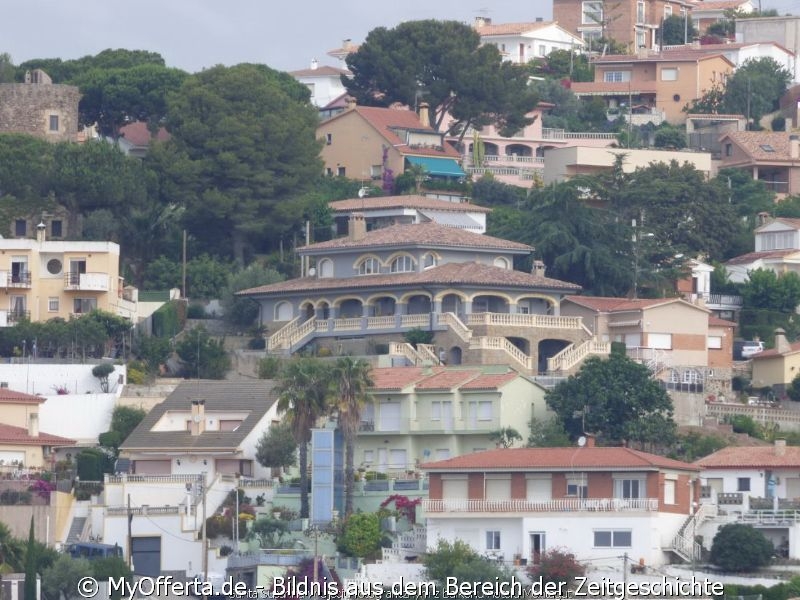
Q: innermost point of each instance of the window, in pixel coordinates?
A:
(484, 411)
(430, 260)
(691, 376)
(325, 268)
(397, 458)
(629, 488)
(612, 539)
(592, 13)
(389, 416)
(542, 50)
(52, 304)
(776, 240)
(20, 228)
(403, 264)
(743, 484)
(442, 453)
(662, 341)
(501, 263)
(53, 122)
(376, 171)
(340, 171)
(229, 424)
(84, 305)
(669, 74)
(669, 491)
(640, 14)
(766, 147)
(369, 266)
(577, 486)
(369, 456)
(590, 36)
(714, 342)
(641, 39)
(54, 266)
(329, 172)
(493, 540)
(328, 139)
(667, 11)
(436, 411)
(616, 76)
(56, 229)
(728, 149)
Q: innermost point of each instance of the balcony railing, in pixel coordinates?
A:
(97, 282)
(366, 426)
(15, 316)
(560, 134)
(557, 505)
(18, 280)
(779, 187)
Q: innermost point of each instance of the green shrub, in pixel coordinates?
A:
(269, 367)
(418, 336)
(739, 547)
(196, 311)
(136, 376)
(362, 535)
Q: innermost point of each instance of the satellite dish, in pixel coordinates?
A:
(582, 441)
(363, 192)
(312, 272)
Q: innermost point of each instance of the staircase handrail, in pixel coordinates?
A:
(457, 325)
(275, 341)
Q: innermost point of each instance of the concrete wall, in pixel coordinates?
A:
(40, 378)
(81, 417)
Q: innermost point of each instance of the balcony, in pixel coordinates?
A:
(16, 316)
(607, 505)
(21, 279)
(86, 282)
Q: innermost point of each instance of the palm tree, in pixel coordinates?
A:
(11, 551)
(351, 382)
(303, 391)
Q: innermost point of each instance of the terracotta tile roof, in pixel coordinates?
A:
(447, 379)
(466, 273)
(8, 396)
(754, 256)
(754, 143)
(772, 352)
(419, 234)
(547, 459)
(490, 381)
(397, 378)
(511, 28)
(718, 5)
(793, 223)
(321, 71)
(339, 102)
(412, 201)
(601, 304)
(9, 434)
(717, 322)
(604, 87)
(384, 120)
(138, 134)
(735, 457)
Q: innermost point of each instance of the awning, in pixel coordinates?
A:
(452, 219)
(437, 166)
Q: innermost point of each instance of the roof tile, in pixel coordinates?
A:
(9, 434)
(412, 201)
(735, 457)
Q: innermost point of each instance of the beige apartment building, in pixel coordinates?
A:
(42, 279)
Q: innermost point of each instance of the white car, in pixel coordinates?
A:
(751, 348)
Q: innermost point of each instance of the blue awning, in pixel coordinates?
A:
(437, 166)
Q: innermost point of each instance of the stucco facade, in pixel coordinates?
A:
(40, 108)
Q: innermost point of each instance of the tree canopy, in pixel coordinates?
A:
(615, 399)
(755, 88)
(444, 64)
(739, 547)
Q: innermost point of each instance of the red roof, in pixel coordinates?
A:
(9, 434)
(511, 28)
(446, 380)
(773, 352)
(8, 396)
(138, 134)
(793, 223)
(426, 234)
(549, 459)
(744, 259)
(736, 457)
(438, 378)
(490, 381)
(717, 322)
(321, 71)
(411, 201)
(397, 378)
(602, 304)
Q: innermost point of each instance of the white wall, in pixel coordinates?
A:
(757, 480)
(81, 417)
(651, 534)
(40, 378)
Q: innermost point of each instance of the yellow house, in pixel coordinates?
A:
(21, 442)
(41, 279)
(777, 366)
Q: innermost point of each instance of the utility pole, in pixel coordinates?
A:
(624, 574)
(203, 533)
(183, 266)
(130, 538)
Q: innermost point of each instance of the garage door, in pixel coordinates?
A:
(146, 552)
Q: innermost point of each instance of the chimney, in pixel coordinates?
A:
(357, 227)
(781, 344)
(762, 218)
(350, 102)
(794, 146)
(314, 64)
(780, 447)
(198, 424)
(41, 228)
(590, 440)
(482, 21)
(33, 425)
(423, 114)
(538, 268)
(348, 45)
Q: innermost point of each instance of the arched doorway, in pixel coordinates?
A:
(454, 356)
(307, 310)
(548, 349)
(418, 304)
(488, 303)
(452, 303)
(351, 308)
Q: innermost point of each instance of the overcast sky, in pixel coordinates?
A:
(193, 34)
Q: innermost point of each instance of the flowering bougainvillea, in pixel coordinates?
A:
(404, 505)
(42, 488)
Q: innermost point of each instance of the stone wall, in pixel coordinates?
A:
(28, 107)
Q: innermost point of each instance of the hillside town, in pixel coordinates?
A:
(459, 304)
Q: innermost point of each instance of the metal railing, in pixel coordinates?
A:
(557, 505)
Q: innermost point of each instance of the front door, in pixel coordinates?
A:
(537, 547)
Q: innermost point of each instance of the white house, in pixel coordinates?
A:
(324, 82)
(777, 248)
(523, 42)
(597, 502)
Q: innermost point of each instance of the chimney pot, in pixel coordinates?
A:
(41, 230)
(314, 64)
(590, 440)
(33, 425)
(424, 118)
(357, 227)
(198, 423)
(781, 343)
(780, 447)
(794, 146)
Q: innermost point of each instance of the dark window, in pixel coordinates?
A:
(53, 122)
(56, 228)
(340, 172)
(728, 149)
(20, 228)
(743, 484)
(328, 138)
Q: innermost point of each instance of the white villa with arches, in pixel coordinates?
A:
(361, 292)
